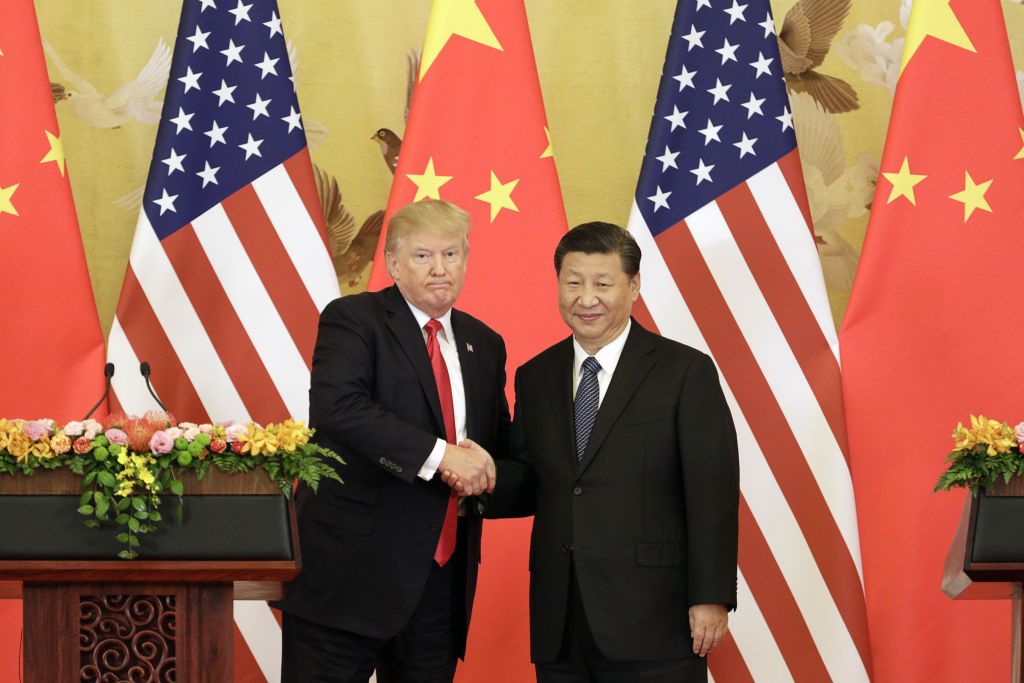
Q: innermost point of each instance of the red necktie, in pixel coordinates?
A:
(445, 544)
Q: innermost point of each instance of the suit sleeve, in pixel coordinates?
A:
(515, 491)
(341, 403)
(711, 480)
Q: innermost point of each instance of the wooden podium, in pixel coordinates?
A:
(986, 558)
(166, 617)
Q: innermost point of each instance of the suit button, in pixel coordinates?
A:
(382, 461)
(435, 527)
(578, 491)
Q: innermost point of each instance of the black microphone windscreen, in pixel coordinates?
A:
(108, 370)
(144, 368)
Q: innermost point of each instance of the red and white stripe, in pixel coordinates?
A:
(225, 311)
(740, 279)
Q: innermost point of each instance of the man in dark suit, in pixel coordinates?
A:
(626, 454)
(389, 562)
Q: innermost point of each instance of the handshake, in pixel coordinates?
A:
(468, 468)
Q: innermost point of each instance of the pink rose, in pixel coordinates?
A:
(35, 429)
(187, 425)
(192, 432)
(117, 436)
(73, 428)
(161, 443)
(174, 432)
(234, 431)
(206, 429)
(92, 428)
(1019, 429)
(82, 445)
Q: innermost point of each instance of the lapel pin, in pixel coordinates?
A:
(469, 347)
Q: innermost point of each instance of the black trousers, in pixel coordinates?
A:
(424, 651)
(581, 661)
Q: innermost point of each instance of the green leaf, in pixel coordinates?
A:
(139, 503)
(89, 478)
(133, 524)
(126, 555)
(133, 541)
(86, 497)
(102, 507)
(177, 488)
(91, 523)
(155, 516)
(107, 479)
(122, 537)
(122, 518)
(141, 514)
(123, 504)
(86, 509)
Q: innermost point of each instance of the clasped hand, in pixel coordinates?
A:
(468, 468)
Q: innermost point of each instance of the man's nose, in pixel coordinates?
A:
(588, 296)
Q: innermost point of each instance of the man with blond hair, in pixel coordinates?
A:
(399, 378)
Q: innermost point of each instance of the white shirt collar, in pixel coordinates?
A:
(422, 319)
(608, 356)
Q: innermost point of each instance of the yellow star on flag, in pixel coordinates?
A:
(428, 184)
(454, 18)
(933, 18)
(549, 151)
(972, 196)
(6, 206)
(1020, 154)
(56, 153)
(499, 196)
(903, 183)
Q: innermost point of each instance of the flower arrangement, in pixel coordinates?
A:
(987, 451)
(127, 463)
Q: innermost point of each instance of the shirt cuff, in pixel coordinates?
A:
(433, 461)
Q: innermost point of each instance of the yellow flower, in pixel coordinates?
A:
(19, 446)
(997, 437)
(125, 490)
(41, 449)
(60, 443)
(258, 441)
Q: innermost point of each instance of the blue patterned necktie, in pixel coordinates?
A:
(588, 395)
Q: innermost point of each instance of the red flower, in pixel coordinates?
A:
(218, 445)
(236, 446)
(82, 445)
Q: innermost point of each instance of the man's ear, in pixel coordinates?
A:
(389, 258)
(634, 286)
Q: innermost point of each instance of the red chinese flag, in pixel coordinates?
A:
(477, 136)
(51, 345)
(932, 333)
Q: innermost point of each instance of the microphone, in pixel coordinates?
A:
(108, 372)
(144, 369)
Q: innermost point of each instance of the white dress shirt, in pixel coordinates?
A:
(608, 357)
(450, 353)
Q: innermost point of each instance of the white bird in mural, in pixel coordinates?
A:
(835, 192)
(133, 101)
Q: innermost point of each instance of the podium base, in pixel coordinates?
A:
(159, 632)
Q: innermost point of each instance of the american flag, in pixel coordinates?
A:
(229, 268)
(730, 267)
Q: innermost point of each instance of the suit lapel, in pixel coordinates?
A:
(560, 390)
(635, 363)
(403, 325)
(470, 373)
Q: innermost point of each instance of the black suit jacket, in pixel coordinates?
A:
(367, 546)
(649, 518)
